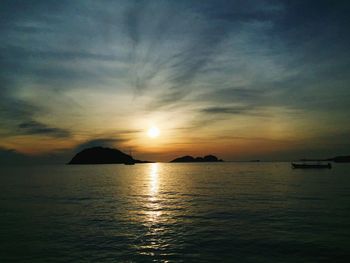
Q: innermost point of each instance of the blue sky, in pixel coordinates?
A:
(241, 79)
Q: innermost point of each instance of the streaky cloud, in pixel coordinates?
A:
(36, 128)
(229, 110)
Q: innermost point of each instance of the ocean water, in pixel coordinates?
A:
(219, 212)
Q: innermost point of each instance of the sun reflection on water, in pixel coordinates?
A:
(154, 179)
(154, 215)
(153, 205)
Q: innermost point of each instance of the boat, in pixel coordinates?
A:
(311, 165)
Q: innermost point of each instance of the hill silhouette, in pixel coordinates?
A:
(191, 159)
(101, 155)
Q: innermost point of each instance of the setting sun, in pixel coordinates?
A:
(153, 132)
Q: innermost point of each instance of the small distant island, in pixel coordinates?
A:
(337, 159)
(191, 159)
(101, 155)
(340, 159)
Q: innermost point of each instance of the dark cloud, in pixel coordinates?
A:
(15, 109)
(103, 142)
(228, 110)
(37, 128)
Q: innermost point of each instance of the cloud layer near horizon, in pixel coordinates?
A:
(221, 76)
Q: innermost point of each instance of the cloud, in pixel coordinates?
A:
(103, 142)
(208, 59)
(14, 109)
(228, 110)
(236, 95)
(132, 18)
(37, 128)
(211, 47)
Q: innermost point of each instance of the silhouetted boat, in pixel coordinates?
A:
(311, 165)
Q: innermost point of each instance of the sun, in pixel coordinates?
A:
(153, 132)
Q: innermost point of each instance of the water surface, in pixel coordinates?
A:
(231, 212)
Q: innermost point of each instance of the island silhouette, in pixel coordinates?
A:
(337, 159)
(103, 155)
(340, 159)
(191, 159)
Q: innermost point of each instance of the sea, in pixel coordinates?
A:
(175, 212)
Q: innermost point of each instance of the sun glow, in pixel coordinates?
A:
(153, 132)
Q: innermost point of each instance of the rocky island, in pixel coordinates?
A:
(101, 155)
(191, 159)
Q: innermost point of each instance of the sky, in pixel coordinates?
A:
(242, 80)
